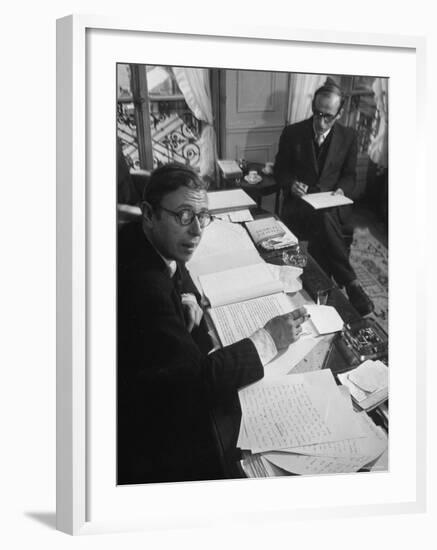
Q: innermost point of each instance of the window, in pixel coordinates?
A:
(154, 123)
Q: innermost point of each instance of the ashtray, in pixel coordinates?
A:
(366, 339)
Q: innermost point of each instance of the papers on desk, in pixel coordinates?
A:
(239, 284)
(245, 292)
(239, 319)
(326, 200)
(236, 216)
(229, 199)
(323, 320)
(236, 321)
(223, 246)
(305, 424)
(368, 384)
(239, 216)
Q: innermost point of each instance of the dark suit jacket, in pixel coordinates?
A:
(296, 159)
(167, 383)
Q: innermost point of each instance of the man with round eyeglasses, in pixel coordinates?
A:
(317, 155)
(168, 379)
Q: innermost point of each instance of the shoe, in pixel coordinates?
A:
(359, 299)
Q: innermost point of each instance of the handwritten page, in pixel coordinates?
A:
(313, 465)
(372, 445)
(296, 410)
(236, 321)
(326, 200)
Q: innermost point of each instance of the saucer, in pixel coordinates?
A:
(253, 181)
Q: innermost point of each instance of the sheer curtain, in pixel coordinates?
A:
(302, 88)
(378, 148)
(194, 84)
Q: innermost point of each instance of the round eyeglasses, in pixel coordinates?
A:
(328, 118)
(186, 216)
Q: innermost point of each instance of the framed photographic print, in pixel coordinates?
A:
(134, 101)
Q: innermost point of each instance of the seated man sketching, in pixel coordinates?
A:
(168, 381)
(315, 155)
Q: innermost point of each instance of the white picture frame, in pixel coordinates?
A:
(82, 228)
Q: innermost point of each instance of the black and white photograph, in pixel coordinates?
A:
(217, 280)
(252, 274)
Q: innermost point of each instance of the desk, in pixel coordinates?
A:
(257, 191)
(227, 415)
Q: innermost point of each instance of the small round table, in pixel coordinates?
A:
(266, 186)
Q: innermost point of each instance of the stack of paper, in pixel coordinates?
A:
(237, 320)
(229, 199)
(368, 384)
(305, 424)
(245, 292)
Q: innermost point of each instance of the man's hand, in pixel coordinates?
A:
(338, 192)
(192, 311)
(286, 329)
(299, 189)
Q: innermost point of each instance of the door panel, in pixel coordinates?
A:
(256, 146)
(255, 113)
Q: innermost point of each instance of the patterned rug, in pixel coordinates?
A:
(369, 258)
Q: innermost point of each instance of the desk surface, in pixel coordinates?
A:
(227, 415)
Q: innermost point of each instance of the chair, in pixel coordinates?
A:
(130, 192)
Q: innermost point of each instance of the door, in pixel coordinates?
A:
(255, 113)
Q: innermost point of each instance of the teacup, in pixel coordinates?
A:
(253, 175)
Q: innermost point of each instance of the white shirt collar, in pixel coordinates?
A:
(171, 264)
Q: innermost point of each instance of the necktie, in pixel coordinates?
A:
(177, 280)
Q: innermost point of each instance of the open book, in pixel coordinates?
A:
(244, 292)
